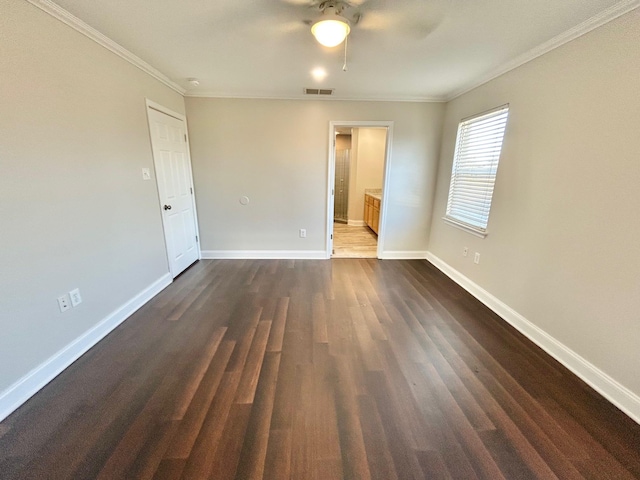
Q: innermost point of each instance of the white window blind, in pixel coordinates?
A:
(475, 164)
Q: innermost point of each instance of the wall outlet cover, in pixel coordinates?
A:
(64, 302)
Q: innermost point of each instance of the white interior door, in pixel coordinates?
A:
(175, 188)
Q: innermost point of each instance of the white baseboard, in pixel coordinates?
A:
(356, 223)
(265, 254)
(32, 382)
(616, 393)
(403, 255)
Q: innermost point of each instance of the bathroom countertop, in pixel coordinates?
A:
(374, 192)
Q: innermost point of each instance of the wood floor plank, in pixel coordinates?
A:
(191, 423)
(303, 447)
(376, 443)
(203, 363)
(319, 370)
(319, 319)
(253, 364)
(254, 451)
(278, 460)
(150, 456)
(433, 465)
(169, 469)
(278, 326)
(227, 452)
(203, 455)
(354, 456)
(324, 415)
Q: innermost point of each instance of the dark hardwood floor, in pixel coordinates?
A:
(323, 370)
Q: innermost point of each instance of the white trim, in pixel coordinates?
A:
(166, 111)
(324, 98)
(356, 223)
(592, 23)
(331, 180)
(616, 393)
(403, 255)
(265, 254)
(18, 393)
(606, 16)
(88, 31)
(465, 227)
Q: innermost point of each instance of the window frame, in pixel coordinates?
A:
(482, 207)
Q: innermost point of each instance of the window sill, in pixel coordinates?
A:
(467, 228)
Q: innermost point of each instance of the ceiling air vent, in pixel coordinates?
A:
(318, 91)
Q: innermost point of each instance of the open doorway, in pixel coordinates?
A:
(357, 165)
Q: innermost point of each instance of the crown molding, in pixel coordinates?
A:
(88, 31)
(613, 12)
(210, 94)
(606, 16)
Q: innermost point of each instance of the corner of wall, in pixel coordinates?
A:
(616, 393)
(22, 390)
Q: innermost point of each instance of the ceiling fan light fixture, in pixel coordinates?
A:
(331, 29)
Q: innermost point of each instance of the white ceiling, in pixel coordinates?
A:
(400, 50)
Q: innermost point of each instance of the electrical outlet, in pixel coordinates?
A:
(303, 233)
(76, 299)
(476, 258)
(64, 302)
(465, 251)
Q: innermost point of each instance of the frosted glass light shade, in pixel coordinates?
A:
(331, 31)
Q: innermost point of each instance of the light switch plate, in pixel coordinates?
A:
(76, 299)
(146, 174)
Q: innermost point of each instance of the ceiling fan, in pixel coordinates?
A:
(331, 21)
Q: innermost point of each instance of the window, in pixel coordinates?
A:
(475, 164)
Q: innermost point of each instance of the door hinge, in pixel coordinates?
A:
(196, 238)
(191, 188)
(332, 236)
(185, 138)
(332, 191)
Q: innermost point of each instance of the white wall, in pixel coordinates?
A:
(368, 171)
(276, 153)
(564, 226)
(75, 211)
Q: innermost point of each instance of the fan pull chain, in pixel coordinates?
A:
(344, 66)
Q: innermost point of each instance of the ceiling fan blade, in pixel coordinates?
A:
(407, 18)
(301, 3)
(282, 17)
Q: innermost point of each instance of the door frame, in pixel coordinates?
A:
(333, 124)
(149, 104)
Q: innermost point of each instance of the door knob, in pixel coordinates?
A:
(167, 207)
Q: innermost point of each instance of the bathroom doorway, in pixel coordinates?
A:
(358, 162)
